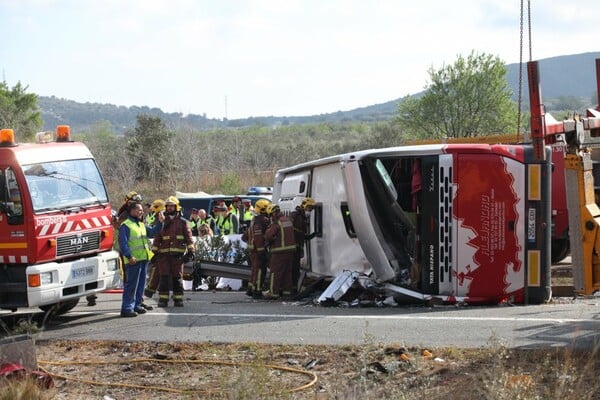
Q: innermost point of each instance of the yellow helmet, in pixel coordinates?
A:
(262, 206)
(133, 196)
(158, 205)
(174, 201)
(273, 208)
(307, 202)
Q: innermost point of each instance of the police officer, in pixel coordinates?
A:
(246, 215)
(226, 222)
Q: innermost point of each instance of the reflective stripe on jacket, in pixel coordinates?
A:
(256, 233)
(175, 238)
(281, 235)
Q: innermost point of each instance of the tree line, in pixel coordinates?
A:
(468, 98)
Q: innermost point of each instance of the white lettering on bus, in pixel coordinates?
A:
(431, 264)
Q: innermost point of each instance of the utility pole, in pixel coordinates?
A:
(225, 108)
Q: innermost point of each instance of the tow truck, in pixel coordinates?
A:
(56, 234)
(581, 135)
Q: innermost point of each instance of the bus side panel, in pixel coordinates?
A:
(490, 215)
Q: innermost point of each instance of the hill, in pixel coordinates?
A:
(568, 77)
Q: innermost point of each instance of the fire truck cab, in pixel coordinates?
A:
(56, 235)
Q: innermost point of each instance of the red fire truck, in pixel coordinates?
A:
(56, 237)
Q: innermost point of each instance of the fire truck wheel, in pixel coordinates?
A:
(60, 308)
(560, 250)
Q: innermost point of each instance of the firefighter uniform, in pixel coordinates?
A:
(282, 242)
(157, 207)
(172, 246)
(299, 220)
(255, 238)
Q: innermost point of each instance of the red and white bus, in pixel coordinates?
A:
(455, 222)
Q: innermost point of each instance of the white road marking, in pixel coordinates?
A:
(370, 317)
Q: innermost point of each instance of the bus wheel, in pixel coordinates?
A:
(60, 308)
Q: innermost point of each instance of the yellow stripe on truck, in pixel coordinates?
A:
(534, 186)
(533, 273)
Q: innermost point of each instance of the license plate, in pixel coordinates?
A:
(531, 225)
(82, 272)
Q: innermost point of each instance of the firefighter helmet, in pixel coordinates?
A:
(172, 200)
(158, 205)
(273, 208)
(133, 196)
(307, 202)
(262, 206)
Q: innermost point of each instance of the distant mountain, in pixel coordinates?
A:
(561, 77)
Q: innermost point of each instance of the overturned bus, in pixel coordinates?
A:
(450, 222)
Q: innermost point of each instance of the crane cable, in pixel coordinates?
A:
(520, 97)
(310, 374)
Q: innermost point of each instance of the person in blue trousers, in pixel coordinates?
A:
(135, 250)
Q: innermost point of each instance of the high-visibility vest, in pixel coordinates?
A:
(225, 225)
(138, 240)
(248, 215)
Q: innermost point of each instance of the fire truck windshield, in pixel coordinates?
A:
(64, 184)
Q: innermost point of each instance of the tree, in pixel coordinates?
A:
(19, 110)
(148, 145)
(469, 98)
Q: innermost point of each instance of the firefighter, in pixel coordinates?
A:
(156, 207)
(300, 218)
(157, 217)
(282, 247)
(227, 222)
(255, 237)
(135, 250)
(122, 214)
(173, 247)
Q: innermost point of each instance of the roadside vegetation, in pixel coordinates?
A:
(252, 371)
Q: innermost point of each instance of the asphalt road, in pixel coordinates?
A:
(233, 317)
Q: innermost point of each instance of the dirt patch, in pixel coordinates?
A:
(151, 370)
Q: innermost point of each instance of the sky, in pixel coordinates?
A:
(251, 58)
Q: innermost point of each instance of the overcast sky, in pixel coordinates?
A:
(260, 57)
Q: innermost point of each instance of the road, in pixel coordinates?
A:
(233, 317)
